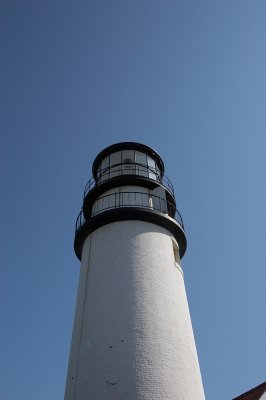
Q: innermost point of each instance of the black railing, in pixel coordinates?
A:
(129, 169)
(131, 199)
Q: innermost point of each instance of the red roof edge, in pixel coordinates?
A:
(253, 394)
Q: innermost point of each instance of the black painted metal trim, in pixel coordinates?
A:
(125, 214)
(126, 146)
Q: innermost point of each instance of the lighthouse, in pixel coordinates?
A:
(132, 337)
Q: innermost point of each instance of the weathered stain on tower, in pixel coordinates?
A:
(132, 335)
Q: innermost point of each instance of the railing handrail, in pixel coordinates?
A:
(163, 179)
(175, 213)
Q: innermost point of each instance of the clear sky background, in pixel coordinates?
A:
(187, 78)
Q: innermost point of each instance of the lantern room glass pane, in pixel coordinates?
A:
(115, 164)
(115, 158)
(141, 158)
(105, 163)
(152, 175)
(127, 156)
(151, 162)
(141, 164)
(158, 171)
(105, 169)
(151, 168)
(128, 166)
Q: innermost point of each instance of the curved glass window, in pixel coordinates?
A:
(141, 161)
(128, 162)
(115, 163)
(105, 169)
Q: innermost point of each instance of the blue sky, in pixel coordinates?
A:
(187, 78)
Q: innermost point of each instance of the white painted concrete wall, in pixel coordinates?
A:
(132, 337)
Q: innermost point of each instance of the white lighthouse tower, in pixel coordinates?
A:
(132, 336)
